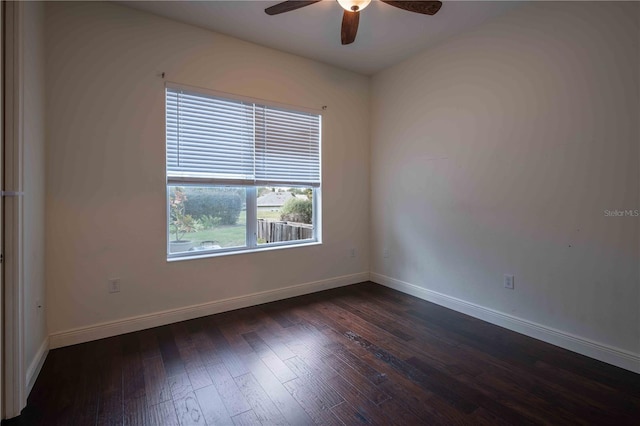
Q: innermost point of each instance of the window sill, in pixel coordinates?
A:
(200, 255)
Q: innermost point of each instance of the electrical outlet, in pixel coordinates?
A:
(509, 282)
(352, 252)
(114, 285)
(385, 252)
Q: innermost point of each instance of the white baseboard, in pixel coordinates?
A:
(141, 322)
(36, 364)
(609, 354)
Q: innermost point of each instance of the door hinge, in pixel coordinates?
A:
(11, 193)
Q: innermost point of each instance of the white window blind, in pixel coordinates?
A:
(287, 145)
(236, 142)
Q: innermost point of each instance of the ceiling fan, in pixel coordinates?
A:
(352, 8)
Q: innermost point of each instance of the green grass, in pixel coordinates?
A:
(231, 235)
(224, 236)
(268, 214)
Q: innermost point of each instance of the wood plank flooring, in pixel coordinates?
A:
(362, 354)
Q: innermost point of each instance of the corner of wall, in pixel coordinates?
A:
(606, 353)
(36, 364)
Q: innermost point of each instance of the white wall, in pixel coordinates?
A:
(498, 151)
(105, 163)
(495, 152)
(33, 181)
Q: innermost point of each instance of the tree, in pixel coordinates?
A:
(297, 209)
(263, 190)
(222, 203)
(180, 223)
(308, 192)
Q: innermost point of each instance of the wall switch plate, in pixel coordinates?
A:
(352, 252)
(114, 285)
(385, 252)
(509, 282)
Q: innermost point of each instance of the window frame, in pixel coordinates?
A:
(251, 218)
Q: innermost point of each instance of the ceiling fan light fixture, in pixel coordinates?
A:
(354, 5)
(352, 8)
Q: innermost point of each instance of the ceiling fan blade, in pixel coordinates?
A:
(424, 7)
(350, 22)
(288, 6)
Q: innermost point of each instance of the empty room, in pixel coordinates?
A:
(320, 212)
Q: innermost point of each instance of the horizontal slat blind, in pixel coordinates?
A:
(287, 147)
(211, 138)
(208, 137)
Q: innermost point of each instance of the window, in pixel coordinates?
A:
(241, 175)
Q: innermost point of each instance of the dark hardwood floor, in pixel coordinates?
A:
(360, 354)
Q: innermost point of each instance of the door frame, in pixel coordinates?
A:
(14, 380)
(2, 393)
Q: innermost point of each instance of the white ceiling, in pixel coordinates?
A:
(386, 36)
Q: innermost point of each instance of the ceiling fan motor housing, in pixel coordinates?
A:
(354, 5)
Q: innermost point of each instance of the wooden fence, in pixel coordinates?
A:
(273, 232)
